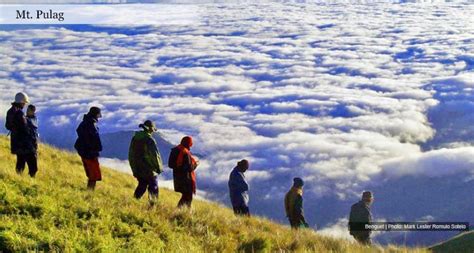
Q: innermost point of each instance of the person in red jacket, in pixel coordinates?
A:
(184, 164)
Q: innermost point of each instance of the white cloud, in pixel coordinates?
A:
(436, 163)
(117, 164)
(340, 102)
(338, 230)
(59, 120)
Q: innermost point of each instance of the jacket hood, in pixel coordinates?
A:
(88, 117)
(16, 105)
(297, 190)
(187, 142)
(362, 203)
(142, 134)
(237, 170)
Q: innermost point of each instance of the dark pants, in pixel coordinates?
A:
(152, 185)
(91, 184)
(362, 238)
(297, 223)
(294, 223)
(186, 199)
(31, 160)
(241, 210)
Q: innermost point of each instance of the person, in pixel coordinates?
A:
(184, 165)
(145, 161)
(89, 146)
(20, 141)
(32, 125)
(359, 216)
(32, 139)
(238, 189)
(294, 205)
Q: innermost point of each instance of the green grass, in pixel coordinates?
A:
(463, 243)
(55, 213)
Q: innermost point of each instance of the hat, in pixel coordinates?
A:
(367, 195)
(22, 98)
(148, 125)
(298, 182)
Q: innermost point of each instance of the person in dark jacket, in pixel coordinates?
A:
(88, 146)
(238, 189)
(184, 165)
(32, 125)
(145, 161)
(294, 205)
(359, 216)
(20, 141)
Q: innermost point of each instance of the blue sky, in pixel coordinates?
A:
(343, 96)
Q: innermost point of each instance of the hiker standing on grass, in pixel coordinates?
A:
(88, 145)
(145, 161)
(21, 143)
(359, 216)
(294, 205)
(32, 138)
(32, 125)
(184, 164)
(239, 189)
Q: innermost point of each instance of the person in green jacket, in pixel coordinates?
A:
(145, 161)
(359, 216)
(294, 205)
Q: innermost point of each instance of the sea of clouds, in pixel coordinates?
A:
(344, 96)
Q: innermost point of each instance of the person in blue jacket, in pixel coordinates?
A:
(32, 125)
(239, 189)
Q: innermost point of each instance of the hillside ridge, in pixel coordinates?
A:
(462, 243)
(55, 213)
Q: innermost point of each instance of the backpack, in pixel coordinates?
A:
(9, 125)
(173, 159)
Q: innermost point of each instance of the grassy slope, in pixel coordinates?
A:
(54, 212)
(458, 244)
